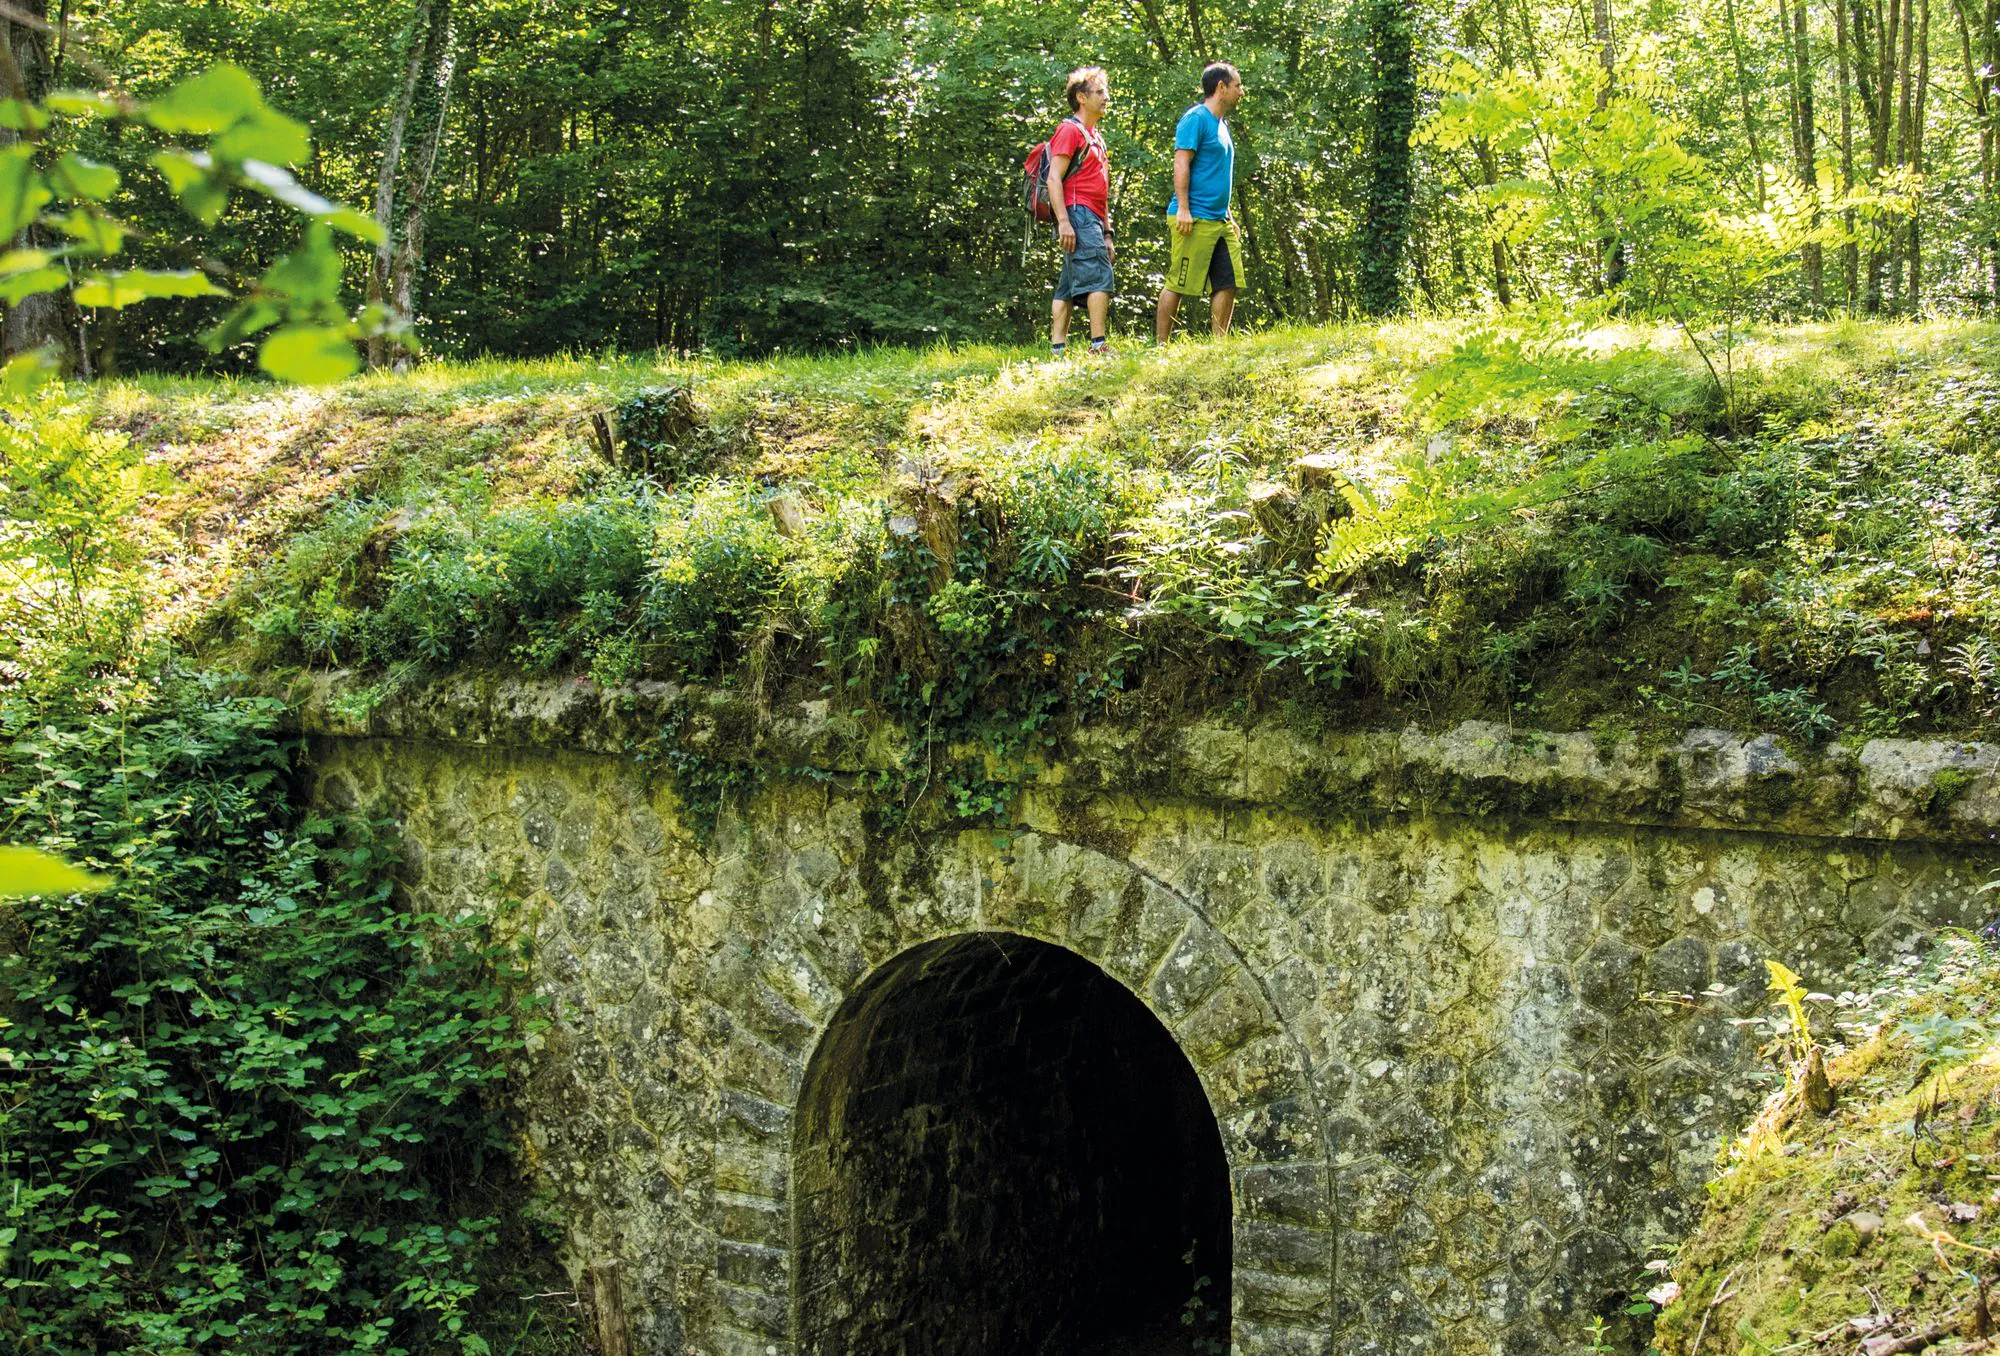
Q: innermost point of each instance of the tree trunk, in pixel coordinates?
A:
(1805, 143)
(403, 181)
(1915, 150)
(1612, 247)
(1878, 90)
(1194, 29)
(1849, 255)
(1743, 98)
(1385, 222)
(1904, 76)
(1979, 92)
(1489, 169)
(1158, 31)
(44, 321)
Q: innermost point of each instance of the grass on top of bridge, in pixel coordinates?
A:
(1423, 521)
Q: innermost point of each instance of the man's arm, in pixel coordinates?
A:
(1183, 171)
(1065, 233)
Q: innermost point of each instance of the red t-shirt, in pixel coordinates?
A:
(1089, 181)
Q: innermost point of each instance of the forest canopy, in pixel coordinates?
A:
(749, 176)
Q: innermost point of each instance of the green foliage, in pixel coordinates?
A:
(67, 491)
(246, 146)
(987, 551)
(658, 432)
(245, 1099)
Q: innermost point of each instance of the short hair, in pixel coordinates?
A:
(1216, 74)
(1080, 77)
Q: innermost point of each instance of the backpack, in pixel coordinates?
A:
(1035, 177)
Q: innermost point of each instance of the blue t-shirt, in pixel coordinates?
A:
(1214, 150)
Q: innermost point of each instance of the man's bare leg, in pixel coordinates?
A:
(1098, 306)
(1220, 307)
(1059, 322)
(1163, 315)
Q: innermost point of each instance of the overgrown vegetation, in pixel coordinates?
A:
(247, 1102)
(245, 1099)
(1552, 526)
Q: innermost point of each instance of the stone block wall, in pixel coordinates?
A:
(1467, 1067)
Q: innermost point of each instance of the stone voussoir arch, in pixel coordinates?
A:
(1157, 942)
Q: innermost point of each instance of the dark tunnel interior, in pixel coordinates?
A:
(1001, 1151)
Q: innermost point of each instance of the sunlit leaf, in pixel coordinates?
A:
(191, 175)
(268, 136)
(309, 354)
(22, 192)
(28, 372)
(22, 117)
(241, 322)
(16, 287)
(30, 871)
(96, 232)
(121, 289)
(212, 101)
(279, 184)
(81, 103)
(310, 273)
(81, 178)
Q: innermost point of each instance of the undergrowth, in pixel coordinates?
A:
(247, 1102)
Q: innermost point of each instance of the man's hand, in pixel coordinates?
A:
(1184, 221)
(1065, 234)
(1111, 248)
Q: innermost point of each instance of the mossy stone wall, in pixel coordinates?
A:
(1463, 1020)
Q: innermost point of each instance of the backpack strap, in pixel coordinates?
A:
(1073, 160)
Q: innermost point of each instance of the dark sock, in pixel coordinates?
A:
(1099, 340)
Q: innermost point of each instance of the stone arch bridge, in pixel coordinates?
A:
(1406, 1042)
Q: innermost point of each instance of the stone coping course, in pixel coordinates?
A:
(1932, 789)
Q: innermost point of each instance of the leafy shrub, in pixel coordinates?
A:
(716, 570)
(245, 1100)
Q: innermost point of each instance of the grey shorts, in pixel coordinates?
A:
(1088, 269)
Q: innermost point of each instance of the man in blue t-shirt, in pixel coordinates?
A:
(1206, 249)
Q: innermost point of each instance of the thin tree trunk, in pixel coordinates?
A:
(402, 191)
(1489, 169)
(1194, 28)
(1878, 97)
(1976, 92)
(1385, 223)
(1805, 145)
(1915, 158)
(1158, 31)
(1991, 31)
(37, 322)
(1743, 97)
(1849, 255)
(1613, 263)
(1905, 83)
(385, 174)
(434, 102)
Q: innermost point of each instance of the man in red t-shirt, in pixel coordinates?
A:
(1083, 227)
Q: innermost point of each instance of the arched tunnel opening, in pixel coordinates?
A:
(999, 1151)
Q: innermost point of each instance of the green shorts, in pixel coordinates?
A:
(1211, 256)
